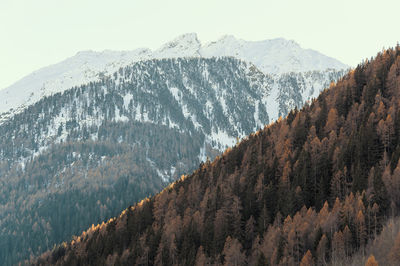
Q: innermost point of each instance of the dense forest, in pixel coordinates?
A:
(313, 188)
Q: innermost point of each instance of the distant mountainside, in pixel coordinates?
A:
(313, 188)
(277, 56)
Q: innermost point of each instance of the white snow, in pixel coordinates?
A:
(173, 170)
(127, 99)
(203, 155)
(271, 101)
(223, 139)
(175, 92)
(257, 120)
(274, 56)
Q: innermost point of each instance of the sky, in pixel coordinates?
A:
(35, 34)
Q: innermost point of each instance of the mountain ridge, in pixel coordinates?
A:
(275, 56)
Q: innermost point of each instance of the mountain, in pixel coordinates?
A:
(99, 131)
(277, 56)
(81, 156)
(314, 187)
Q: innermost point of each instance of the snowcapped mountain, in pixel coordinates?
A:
(101, 130)
(277, 56)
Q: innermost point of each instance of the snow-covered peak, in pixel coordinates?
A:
(186, 45)
(275, 56)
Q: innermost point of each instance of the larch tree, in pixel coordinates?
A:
(285, 178)
(371, 261)
(332, 121)
(233, 254)
(394, 255)
(348, 239)
(250, 231)
(263, 219)
(201, 258)
(270, 242)
(323, 215)
(159, 255)
(395, 187)
(307, 259)
(337, 185)
(375, 210)
(338, 247)
(322, 250)
(361, 230)
(256, 254)
(220, 228)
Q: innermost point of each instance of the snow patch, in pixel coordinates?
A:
(223, 138)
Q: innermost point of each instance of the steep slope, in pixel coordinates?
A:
(332, 169)
(277, 56)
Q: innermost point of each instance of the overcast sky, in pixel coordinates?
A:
(37, 33)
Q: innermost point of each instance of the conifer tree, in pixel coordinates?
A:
(233, 254)
(307, 259)
(371, 261)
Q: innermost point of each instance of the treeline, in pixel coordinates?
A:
(309, 189)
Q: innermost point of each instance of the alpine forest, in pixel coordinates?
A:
(319, 187)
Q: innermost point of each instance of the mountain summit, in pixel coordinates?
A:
(186, 45)
(275, 56)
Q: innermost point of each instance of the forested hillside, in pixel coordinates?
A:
(312, 188)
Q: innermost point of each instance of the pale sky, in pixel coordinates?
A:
(37, 33)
